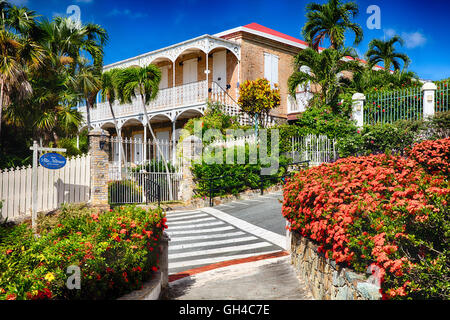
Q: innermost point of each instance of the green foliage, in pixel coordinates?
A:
(116, 252)
(324, 121)
(438, 127)
(331, 20)
(258, 97)
(326, 73)
(214, 118)
(380, 138)
(124, 191)
(154, 166)
(235, 178)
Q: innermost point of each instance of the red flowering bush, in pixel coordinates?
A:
(116, 252)
(434, 156)
(379, 211)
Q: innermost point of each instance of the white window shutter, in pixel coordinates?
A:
(268, 66)
(274, 70)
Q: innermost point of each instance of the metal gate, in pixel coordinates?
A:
(142, 176)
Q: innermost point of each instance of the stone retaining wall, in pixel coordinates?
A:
(326, 279)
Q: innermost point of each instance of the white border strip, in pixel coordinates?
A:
(248, 227)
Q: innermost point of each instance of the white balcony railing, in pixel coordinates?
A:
(179, 96)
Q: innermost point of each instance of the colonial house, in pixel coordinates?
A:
(209, 67)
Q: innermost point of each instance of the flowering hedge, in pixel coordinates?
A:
(381, 211)
(434, 156)
(116, 252)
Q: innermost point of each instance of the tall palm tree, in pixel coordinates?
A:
(326, 70)
(331, 20)
(385, 51)
(19, 53)
(109, 94)
(88, 82)
(143, 83)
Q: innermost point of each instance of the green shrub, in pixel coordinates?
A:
(116, 252)
(124, 191)
(236, 177)
(380, 138)
(324, 121)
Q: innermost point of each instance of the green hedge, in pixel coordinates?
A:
(115, 250)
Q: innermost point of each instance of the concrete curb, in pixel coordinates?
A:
(151, 290)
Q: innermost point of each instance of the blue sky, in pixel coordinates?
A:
(140, 26)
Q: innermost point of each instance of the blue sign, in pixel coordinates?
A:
(53, 161)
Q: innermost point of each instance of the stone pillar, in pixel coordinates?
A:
(99, 152)
(192, 153)
(358, 108)
(429, 98)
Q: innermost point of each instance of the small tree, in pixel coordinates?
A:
(258, 98)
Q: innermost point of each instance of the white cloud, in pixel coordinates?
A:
(127, 13)
(414, 39)
(411, 39)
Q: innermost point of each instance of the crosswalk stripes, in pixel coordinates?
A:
(199, 238)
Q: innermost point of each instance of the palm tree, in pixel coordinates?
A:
(384, 51)
(88, 82)
(108, 93)
(331, 20)
(370, 80)
(326, 70)
(143, 83)
(19, 53)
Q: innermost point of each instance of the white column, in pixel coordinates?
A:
(207, 75)
(173, 83)
(174, 142)
(358, 108)
(429, 98)
(144, 145)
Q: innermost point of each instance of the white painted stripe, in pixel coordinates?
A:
(182, 213)
(206, 237)
(252, 200)
(273, 237)
(198, 262)
(172, 233)
(225, 205)
(200, 225)
(239, 203)
(220, 250)
(191, 221)
(210, 243)
(187, 217)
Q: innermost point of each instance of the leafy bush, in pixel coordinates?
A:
(438, 127)
(258, 97)
(382, 211)
(380, 138)
(235, 177)
(124, 191)
(214, 118)
(324, 121)
(117, 252)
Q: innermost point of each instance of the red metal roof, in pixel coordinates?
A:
(260, 28)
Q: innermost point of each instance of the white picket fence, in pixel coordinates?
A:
(70, 184)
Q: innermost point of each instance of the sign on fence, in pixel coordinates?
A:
(52, 161)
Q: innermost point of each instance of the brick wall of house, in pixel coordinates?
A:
(252, 62)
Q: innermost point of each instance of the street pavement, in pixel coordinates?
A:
(232, 251)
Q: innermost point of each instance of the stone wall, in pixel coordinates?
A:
(326, 279)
